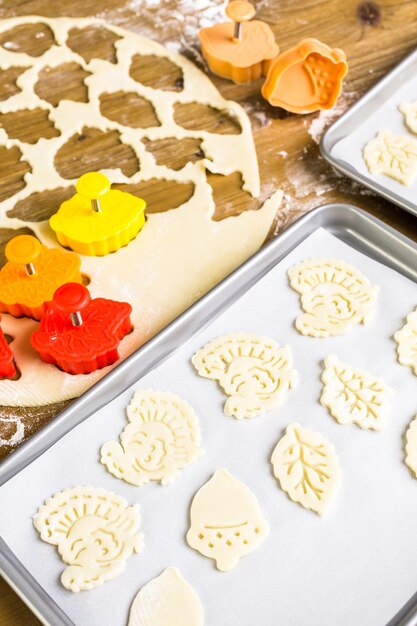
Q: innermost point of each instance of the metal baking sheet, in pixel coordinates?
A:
(352, 224)
(377, 110)
(356, 566)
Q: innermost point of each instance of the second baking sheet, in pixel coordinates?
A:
(358, 565)
(344, 142)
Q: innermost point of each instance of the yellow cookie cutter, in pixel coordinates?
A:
(98, 220)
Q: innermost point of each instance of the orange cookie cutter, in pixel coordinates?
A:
(306, 78)
(32, 274)
(241, 51)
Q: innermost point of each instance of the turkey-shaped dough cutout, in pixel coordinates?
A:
(253, 370)
(306, 465)
(353, 395)
(95, 532)
(411, 446)
(392, 155)
(167, 600)
(334, 296)
(406, 339)
(409, 110)
(226, 521)
(163, 436)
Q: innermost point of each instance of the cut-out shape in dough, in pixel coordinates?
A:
(28, 125)
(253, 370)
(409, 110)
(197, 116)
(306, 465)
(226, 520)
(11, 160)
(31, 39)
(353, 395)
(94, 149)
(175, 153)
(167, 600)
(40, 206)
(156, 72)
(160, 195)
(8, 85)
(93, 42)
(334, 296)
(392, 155)
(411, 446)
(128, 109)
(406, 339)
(229, 196)
(162, 437)
(95, 532)
(64, 82)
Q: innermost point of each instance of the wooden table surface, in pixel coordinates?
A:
(375, 36)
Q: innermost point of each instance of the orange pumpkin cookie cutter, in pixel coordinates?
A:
(306, 78)
(32, 274)
(241, 50)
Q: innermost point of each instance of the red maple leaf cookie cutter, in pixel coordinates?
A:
(79, 334)
(7, 366)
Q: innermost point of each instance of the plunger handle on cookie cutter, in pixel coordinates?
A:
(240, 11)
(24, 250)
(71, 299)
(93, 186)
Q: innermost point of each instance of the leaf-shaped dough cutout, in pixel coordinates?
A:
(353, 395)
(167, 600)
(95, 532)
(163, 436)
(253, 370)
(392, 155)
(411, 446)
(409, 110)
(334, 296)
(226, 520)
(306, 465)
(406, 339)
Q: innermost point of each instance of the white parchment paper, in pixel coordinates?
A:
(355, 567)
(386, 117)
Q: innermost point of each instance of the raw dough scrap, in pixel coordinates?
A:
(167, 600)
(162, 437)
(306, 465)
(95, 532)
(409, 110)
(158, 286)
(253, 370)
(392, 155)
(226, 521)
(353, 395)
(334, 296)
(406, 339)
(411, 446)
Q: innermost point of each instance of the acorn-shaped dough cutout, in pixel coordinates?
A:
(95, 532)
(334, 296)
(253, 370)
(163, 436)
(167, 600)
(226, 521)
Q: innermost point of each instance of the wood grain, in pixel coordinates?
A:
(374, 36)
